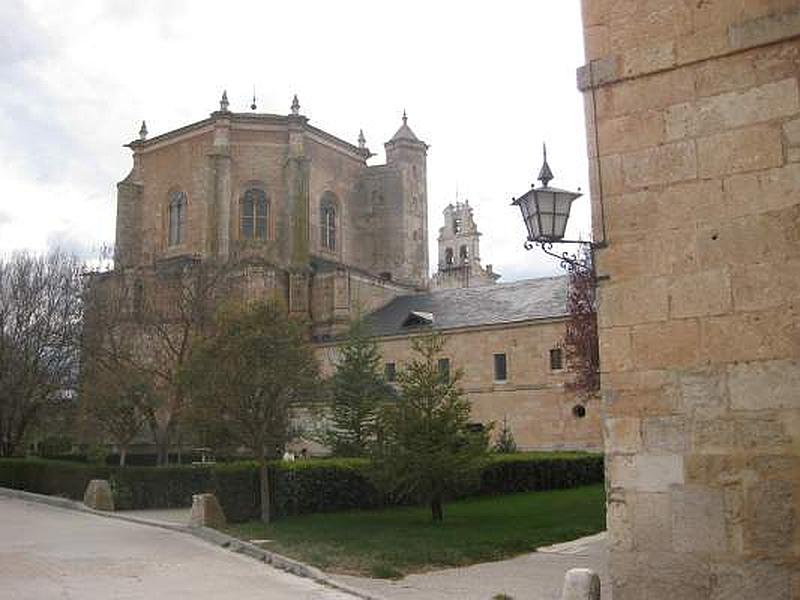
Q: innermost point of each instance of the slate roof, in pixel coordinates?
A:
(405, 133)
(514, 302)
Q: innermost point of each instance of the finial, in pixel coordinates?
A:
(253, 105)
(295, 106)
(223, 102)
(405, 117)
(545, 174)
(143, 131)
(362, 141)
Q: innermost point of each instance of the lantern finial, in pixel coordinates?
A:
(545, 174)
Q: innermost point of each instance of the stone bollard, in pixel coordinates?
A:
(206, 511)
(581, 584)
(98, 495)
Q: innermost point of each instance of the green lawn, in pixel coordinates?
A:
(401, 540)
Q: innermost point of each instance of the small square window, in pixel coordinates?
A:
(500, 367)
(390, 371)
(556, 359)
(444, 368)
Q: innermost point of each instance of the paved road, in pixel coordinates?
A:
(535, 576)
(48, 552)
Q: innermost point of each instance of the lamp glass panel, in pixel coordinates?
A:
(533, 226)
(547, 224)
(559, 226)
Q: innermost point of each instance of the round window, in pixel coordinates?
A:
(579, 410)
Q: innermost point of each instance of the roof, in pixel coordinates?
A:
(405, 133)
(500, 303)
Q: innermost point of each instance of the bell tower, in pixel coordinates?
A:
(459, 251)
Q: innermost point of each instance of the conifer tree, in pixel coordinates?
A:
(429, 449)
(358, 390)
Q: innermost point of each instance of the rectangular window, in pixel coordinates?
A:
(500, 368)
(556, 359)
(444, 368)
(390, 371)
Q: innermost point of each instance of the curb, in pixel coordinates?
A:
(208, 535)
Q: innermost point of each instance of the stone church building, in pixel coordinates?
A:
(312, 224)
(332, 234)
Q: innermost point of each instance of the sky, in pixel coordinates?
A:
(484, 83)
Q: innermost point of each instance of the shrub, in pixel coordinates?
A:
(523, 472)
(306, 486)
(322, 485)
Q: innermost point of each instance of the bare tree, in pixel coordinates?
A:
(145, 325)
(40, 326)
(581, 341)
(117, 402)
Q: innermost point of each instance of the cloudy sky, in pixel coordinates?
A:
(484, 83)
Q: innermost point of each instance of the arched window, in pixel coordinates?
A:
(177, 218)
(456, 225)
(448, 257)
(463, 254)
(327, 222)
(254, 209)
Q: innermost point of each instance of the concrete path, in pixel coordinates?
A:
(170, 516)
(48, 552)
(536, 576)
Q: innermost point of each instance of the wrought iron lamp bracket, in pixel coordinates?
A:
(569, 261)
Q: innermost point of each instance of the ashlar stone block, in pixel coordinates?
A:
(765, 385)
(667, 435)
(735, 109)
(747, 149)
(701, 293)
(656, 473)
(660, 165)
(651, 521)
(752, 579)
(698, 523)
(770, 518)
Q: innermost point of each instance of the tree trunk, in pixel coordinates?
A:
(436, 509)
(263, 475)
(123, 453)
(161, 436)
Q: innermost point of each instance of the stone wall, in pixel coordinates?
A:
(693, 122)
(538, 409)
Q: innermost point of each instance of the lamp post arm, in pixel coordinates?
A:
(568, 260)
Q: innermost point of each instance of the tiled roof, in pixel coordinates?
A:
(472, 307)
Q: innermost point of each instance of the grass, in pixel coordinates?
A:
(396, 541)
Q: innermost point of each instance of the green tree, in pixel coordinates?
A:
(248, 374)
(358, 390)
(505, 443)
(428, 449)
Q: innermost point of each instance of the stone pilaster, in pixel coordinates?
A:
(222, 192)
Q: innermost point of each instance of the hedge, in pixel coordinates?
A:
(307, 486)
(236, 485)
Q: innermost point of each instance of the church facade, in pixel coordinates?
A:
(330, 234)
